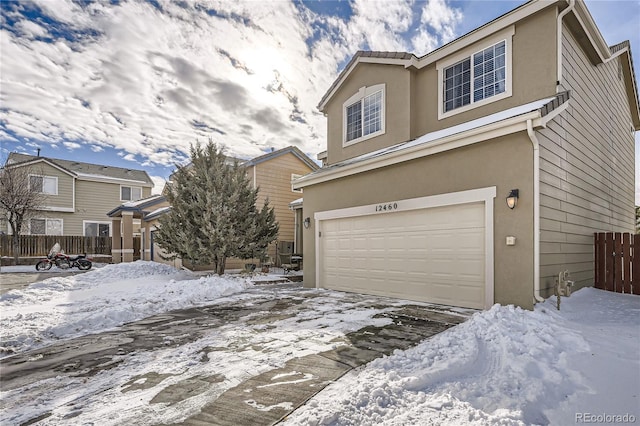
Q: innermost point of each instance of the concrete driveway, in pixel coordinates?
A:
(252, 359)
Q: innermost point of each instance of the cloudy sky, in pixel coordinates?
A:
(133, 83)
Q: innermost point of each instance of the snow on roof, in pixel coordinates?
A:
(147, 200)
(97, 176)
(157, 212)
(296, 203)
(449, 131)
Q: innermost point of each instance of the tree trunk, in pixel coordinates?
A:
(220, 261)
(16, 248)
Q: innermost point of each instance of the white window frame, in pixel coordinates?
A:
(293, 177)
(43, 177)
(99, 222)
(505, 35)
(131, 190)
(46, 225)
(359, 97)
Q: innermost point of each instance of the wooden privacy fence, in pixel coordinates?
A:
(617, 262)
(39, 245)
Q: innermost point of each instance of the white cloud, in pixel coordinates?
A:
(150, 82)
(71, 145)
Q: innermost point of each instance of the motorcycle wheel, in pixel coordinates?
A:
(84, 265)
(43, 265)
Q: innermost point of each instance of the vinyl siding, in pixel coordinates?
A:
(93, 201)
(273, 177)
(64, 197)
(586, 168)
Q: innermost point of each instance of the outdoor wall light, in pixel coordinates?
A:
(512, 198)
(307, 222)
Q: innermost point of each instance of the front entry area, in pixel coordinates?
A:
(433, 254)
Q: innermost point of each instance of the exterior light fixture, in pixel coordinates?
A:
(512, 198)
(307, 222)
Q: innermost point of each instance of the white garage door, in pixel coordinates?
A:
(431, 255)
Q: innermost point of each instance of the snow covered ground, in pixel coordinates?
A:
(504, 366)
(98, 300)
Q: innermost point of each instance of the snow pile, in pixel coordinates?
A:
(63, 307)
(503, 366)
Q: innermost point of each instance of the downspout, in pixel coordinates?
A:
(559, 40)
(536, 211)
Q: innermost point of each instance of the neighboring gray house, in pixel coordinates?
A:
(78, 195)
(423, 151)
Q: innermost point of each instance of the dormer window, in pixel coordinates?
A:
(364, 115)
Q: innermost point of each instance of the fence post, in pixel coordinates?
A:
(625, 257)
(609, 256)
(635, 264)
(617, 263)
(600, 275)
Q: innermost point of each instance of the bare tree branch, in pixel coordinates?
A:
(18, 199)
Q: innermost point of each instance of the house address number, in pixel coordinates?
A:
(386, 207)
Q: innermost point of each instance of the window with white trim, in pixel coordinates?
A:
(295, 176)
(42, 226)
(130, 193)
(97, 229)
(44, 184)
(363, 114)
(475, 78)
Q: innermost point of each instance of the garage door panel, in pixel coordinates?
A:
(434, 255)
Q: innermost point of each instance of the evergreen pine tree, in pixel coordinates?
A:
(213, 212)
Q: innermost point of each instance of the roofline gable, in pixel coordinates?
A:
(271, 155)
(412, 61)
(41, 160)
(141, 179)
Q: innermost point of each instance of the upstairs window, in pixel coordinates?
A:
(364, 114)
(488, 75)
(130, 193)
(475, 76)
(44, 184)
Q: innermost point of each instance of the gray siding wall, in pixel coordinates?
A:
(586, 168)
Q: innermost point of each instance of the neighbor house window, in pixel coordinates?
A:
(45, 226)
(44, 184)
(364, 114)
(295, 176)
(476, 76)
(97, 229)
(130, 193)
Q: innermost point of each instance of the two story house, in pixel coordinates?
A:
(473, 175)
(77, 195)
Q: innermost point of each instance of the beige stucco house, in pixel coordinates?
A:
(77, 194)
(422, 153)
(271, 172)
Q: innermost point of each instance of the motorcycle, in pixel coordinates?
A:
(61, 260)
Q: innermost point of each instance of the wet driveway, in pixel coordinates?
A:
(251, 358)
